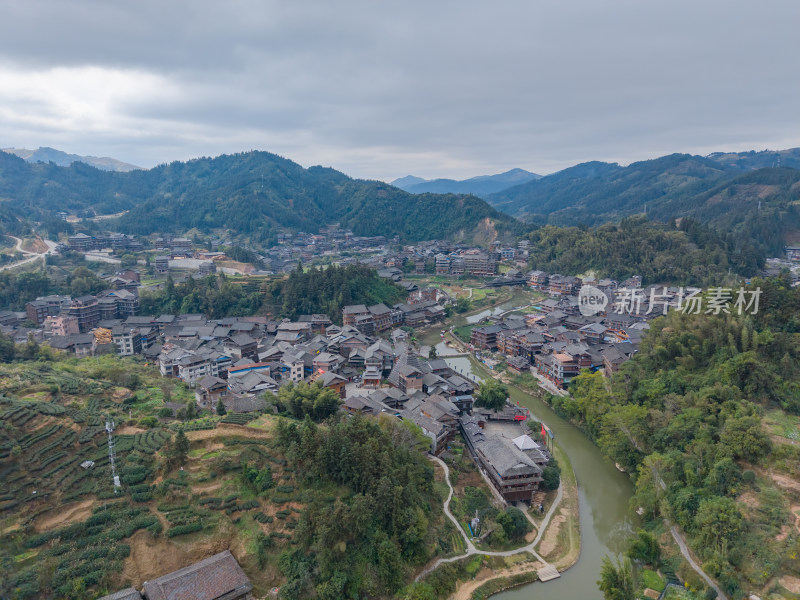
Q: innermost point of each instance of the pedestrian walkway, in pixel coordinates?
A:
(472, 550)
(547, 573)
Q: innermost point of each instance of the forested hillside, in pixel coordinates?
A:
(758, 205)
(329, 290)
(346, 508)
(684, 253)
(255, 194)
(703, 418)
(317, 291)
(481, 185)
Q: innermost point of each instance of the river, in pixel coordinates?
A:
(603, 496)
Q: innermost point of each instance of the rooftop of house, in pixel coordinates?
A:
(210, 579)
(506, 458)
(354, 309)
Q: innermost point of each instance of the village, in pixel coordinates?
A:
(374, 361)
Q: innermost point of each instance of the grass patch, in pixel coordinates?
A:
(651, 579)
(782, 424)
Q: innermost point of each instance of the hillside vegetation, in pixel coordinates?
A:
(253, 193)
(341, 509)
(327, 291)
(679, 254)
(742, 197)
(705, 418)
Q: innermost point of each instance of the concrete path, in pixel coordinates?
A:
(687, 555)
(30, 256)
(548, 385)
(471, 549)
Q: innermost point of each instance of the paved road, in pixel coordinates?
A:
(676, 535)
(685, 551)
(471, 549)
(30, 256)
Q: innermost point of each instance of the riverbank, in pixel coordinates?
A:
(557, 541)
(524, 383)
(513, 567)
(602, 519)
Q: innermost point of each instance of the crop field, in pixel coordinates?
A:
(69, 533)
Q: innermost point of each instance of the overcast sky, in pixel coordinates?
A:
(380, 90)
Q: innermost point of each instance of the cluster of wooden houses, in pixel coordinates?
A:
(557, 341)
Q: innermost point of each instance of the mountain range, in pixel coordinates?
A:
(62, 159)
(752, 196)
(752, 193)
(256, 194)
(480, 186)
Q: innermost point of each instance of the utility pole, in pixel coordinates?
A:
(112, 455)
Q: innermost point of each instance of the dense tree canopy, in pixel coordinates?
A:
(215, 296)
(306, 400)
(327, 291)
(686, 254)
(256, 194)
(368, 522)
(684, 417)
(492, 394)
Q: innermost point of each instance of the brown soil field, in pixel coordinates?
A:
(464, 591)
(64, 515)
(128, 430)
(550, 541)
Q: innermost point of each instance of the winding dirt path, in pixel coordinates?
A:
(30, 256)
(471, 549)
(64, 515)
(464, 591)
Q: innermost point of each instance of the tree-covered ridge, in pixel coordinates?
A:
(685, 417)
(327, 291)
(688, 253)
(253, 193)
(759, 205)
(17, 289)
(214, 296)
(368, 520)
(598, 192)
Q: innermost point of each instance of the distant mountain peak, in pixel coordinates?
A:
(481, 185)
(45, 154)
(408, 180)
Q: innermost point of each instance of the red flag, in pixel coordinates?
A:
(543, 434)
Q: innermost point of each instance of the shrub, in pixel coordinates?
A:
(184, 529)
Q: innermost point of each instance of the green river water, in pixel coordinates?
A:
(603, 495)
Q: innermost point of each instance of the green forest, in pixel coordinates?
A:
(256, 194)
(364, 542)
(687, 253)
(327, 291)
(692, 418)
(754, 200)
(214, 296)
(17, 289)
(316, 291)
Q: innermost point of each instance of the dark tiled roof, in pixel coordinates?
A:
(209, 579)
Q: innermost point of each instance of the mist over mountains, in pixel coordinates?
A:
(480, 186)
(63, 159)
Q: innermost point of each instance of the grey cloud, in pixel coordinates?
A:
(438, 89)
